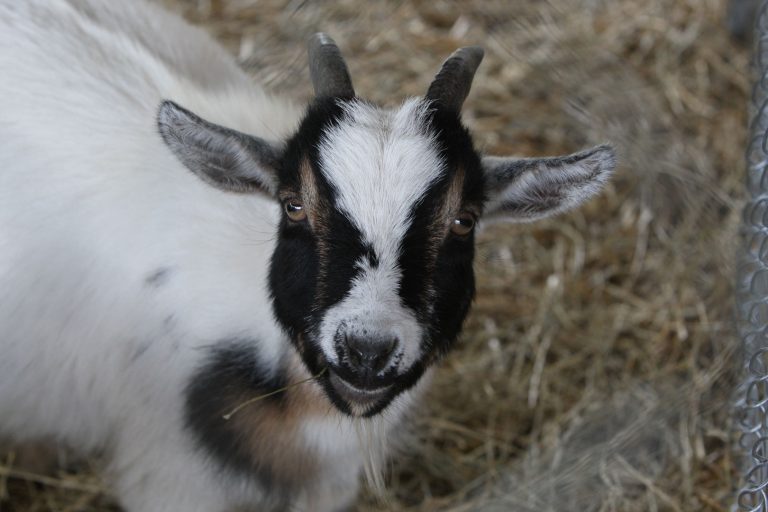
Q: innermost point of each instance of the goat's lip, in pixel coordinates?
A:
(355, 395)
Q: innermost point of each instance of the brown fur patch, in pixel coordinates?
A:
(450, 208)
(318, 211)
(270, 430)
(453, 199)
(309, 194)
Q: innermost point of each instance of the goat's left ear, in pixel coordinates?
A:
(225, 158)
(527, 189)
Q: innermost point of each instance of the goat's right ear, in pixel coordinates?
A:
(225, 158)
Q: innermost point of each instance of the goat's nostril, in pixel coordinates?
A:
(369, 354)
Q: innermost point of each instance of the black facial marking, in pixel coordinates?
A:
(230, 375)
(414, 251)
(303, 284)
(158, 277)
(293, 277)
(294, 267)
(451, 278)
(454, 288)
(345, 249)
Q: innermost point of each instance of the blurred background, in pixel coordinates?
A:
(596, 370)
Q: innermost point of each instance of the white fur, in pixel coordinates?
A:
(380, 164)
(91, 204)
(373, 305)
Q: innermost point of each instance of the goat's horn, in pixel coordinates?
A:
(327, 69)
(451, 85)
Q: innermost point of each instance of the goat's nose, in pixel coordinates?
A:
(367, 354)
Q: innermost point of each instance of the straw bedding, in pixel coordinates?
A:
(596, 370)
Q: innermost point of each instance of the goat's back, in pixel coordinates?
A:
(109, 248)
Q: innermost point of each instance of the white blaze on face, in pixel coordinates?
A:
(380, 163)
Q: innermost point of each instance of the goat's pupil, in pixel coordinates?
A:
(295, 210)
(463, 224)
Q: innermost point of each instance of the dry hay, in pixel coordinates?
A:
(595, 371)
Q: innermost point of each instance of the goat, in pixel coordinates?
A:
(175, 241)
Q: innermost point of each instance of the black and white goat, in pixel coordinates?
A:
(174, 241)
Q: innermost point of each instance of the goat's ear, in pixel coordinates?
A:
(224, 158)
(527, 189)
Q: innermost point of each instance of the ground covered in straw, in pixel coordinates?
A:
(595, 371)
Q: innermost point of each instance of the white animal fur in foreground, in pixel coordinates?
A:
(174, 241)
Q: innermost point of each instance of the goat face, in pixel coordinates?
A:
(372, 271)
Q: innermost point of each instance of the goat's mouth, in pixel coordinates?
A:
(359, 399)
(351, 394)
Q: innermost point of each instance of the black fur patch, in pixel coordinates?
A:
(303, 285)
(231, 374)
(293, 277)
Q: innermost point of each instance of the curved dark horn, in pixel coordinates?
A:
(451, 85)
(327, 69)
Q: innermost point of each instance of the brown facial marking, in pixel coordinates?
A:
(270, 430)
(309, 193)
(449, 209)
(318, 212)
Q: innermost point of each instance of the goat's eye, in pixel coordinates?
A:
(463, 224)
(295, 210)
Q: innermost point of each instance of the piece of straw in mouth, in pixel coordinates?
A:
(271, 393)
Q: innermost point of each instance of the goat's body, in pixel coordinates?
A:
(117, 265)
